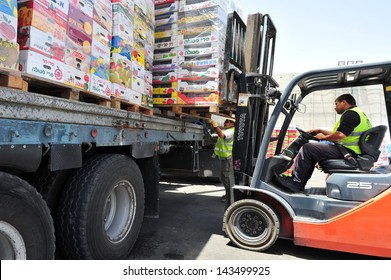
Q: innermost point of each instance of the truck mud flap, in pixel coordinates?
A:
(65, 157)
(21, 157)
(143, 150)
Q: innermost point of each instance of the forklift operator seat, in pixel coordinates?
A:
(369, 142)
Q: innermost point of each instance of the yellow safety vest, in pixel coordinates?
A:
(351, 141)
(223, 148)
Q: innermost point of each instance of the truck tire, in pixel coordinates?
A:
(251, 225)
(50, 185)
(26, 227)
(101, 209)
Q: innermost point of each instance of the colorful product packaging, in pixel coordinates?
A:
(42, 66)
(31, 38)
(50, 16)
(100, 86)
(120, 70)
(9, 55)
(76, 78)
(8, 25)
(75, 56)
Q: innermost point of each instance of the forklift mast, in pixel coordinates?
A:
(256, 87)
(246, 90)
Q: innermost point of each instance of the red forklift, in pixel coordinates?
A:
(351, 211)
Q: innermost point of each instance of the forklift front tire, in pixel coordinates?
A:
(251, 225)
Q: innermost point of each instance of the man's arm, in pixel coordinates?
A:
(323, 134)
(349, 121)
(218, 130)
(336, 136)
(318, 130)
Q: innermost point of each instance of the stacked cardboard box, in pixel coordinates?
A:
(78, 44)
(9, 49)
(102, 46)
(143, 46)
(290, 136)
(383, 159)
(131, 52)
(189, 50)
(102, 27)
(165, 58)
(42, 36)
(121, 50)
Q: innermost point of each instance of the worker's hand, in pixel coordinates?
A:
(212, 123)
(320, 136)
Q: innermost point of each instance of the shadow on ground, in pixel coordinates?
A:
(190, 225)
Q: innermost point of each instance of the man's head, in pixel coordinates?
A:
(229, 123)
(344, 102)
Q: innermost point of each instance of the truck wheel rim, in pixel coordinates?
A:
(120, 211)
(12, 246)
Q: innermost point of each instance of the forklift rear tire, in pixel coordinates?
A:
(251, 225)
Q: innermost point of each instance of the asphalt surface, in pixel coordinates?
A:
(190, 228)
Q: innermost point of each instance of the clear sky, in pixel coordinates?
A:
(313, 34)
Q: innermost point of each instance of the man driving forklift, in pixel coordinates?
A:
(345, 135)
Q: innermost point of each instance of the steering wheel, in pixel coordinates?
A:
(307, 135)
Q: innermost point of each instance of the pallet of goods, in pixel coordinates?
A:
(98, 50)
(165, 64)
(190, 41)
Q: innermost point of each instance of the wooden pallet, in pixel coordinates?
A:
(52, 88)
(31, 83)
(191, 111)
(124, 105)
(187, 110)
(13, 81)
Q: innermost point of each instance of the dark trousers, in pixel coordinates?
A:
(227, 177)
(309, 155)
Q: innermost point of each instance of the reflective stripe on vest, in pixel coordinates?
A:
(351, 141)
(223, 148)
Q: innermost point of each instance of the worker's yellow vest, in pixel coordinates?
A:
(351, 141)
(223, 148)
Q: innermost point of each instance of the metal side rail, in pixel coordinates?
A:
(20, 105)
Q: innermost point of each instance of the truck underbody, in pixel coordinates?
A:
(95, 168)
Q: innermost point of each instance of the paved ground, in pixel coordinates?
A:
(190, 228)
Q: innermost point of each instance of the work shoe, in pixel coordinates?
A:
(288, 183)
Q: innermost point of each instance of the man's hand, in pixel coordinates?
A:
(213, 123)
(320, 136)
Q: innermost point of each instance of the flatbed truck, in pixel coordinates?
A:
(90, 172)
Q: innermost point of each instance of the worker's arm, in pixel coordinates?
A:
(327, 135)
(349, 121)
(218, 130)
(336, 136)
(318, 130)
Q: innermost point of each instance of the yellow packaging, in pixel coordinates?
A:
(9, 55)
